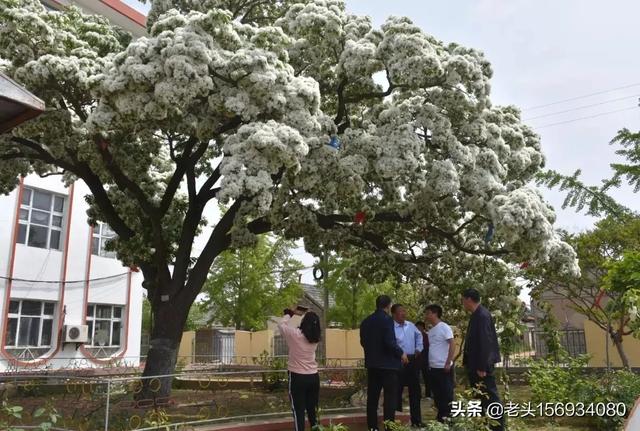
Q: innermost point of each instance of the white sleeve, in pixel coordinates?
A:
(447, 332)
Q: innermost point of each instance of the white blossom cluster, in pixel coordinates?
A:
(268, 96)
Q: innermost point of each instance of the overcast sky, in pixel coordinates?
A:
(542, 52)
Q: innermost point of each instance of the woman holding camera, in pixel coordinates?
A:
(304, 382)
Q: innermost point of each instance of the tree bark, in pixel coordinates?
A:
(168, 320)
(616, 337)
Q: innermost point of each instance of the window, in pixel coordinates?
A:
(30, 328)
(105, 328)
(102, 233)
(41, 215)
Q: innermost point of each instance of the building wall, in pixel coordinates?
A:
(186, 350)
(248, 346)
(74, 270)
(597, 340)
(562, 310)
(116, 11)
(343, 346)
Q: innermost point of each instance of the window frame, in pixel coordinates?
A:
(27, 223)
(91, 320)
(98, 233)
(42, 317)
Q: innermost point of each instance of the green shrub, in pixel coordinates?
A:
(274, 380)
(620, 386)
(558, 381)
(553, 382)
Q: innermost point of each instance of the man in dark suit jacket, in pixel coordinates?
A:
(481, 351)
(382, 358)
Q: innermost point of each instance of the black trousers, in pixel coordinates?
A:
(425, 376)
(488, 386)
(304, 392)
(409, 376)
(441, 384)
(379, 379)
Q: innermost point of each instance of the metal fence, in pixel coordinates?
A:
(198, 398)
(215, 345)
(532, 344)
(280, 349)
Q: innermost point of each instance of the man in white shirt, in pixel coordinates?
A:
(441, 354)
(409, 339)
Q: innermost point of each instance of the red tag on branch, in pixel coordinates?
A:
(524, 265)
(360, 217)
(134, 268)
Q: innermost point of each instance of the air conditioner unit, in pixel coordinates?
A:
(76, 333)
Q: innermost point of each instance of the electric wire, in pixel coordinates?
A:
(585, 118)
(551, 114)
(531, 108)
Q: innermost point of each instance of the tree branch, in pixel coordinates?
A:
(465, 224)
(83, 171)
(124, 182)
(219, 240)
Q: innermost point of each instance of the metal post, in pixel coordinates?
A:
(325, 312)
(106, 410)
(606, 347)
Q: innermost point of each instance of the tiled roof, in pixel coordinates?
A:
(315, 293)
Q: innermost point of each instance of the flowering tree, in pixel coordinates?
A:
(236, 102)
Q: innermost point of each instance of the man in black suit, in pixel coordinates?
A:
(382, 358)
(481, 351)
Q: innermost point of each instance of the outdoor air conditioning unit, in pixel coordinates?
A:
(76, 333)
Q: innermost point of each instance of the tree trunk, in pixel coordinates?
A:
(168, 319)
(616, 337)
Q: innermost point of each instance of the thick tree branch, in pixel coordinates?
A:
(124, 182)
(341, 111)
(329, 221)
(219, 240)
(52, 174)
(161, 254)
(182, 165)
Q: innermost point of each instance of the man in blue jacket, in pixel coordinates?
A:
(481, 351)
(382, 358)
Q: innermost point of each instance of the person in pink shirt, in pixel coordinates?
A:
(304, 382)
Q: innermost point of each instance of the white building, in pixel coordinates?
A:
(56, 275)
(116, 11)
(57, 282)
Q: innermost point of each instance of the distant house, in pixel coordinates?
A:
(312, 298)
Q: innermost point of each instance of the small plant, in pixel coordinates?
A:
(9, 415)
(157, 418)
(273, 380)
(396, 426)
(49, 414)
(330, 427)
